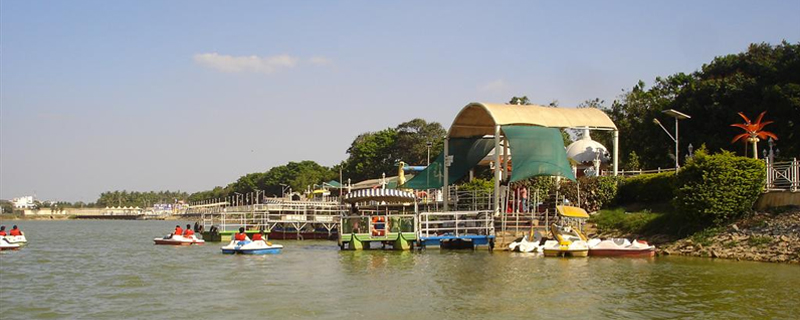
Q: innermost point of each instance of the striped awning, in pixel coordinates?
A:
(387, 195)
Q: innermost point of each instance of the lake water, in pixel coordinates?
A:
(111, 269)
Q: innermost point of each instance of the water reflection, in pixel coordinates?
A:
(66, 272)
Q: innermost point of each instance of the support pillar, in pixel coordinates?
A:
(446, 187)
(616, 152)
(497, 172)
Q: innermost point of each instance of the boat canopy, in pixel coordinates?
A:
(387, 195)
(572, 212)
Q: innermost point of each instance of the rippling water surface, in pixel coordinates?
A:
(111, 269)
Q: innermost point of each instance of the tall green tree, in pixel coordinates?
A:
(764, 78)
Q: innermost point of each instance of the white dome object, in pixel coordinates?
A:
(584, 150)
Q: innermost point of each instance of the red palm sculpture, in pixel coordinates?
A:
(753, 131)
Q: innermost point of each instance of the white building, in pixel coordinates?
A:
(23, 202)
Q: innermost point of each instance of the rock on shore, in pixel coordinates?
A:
(763, 237)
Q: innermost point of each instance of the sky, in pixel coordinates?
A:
(188, 95)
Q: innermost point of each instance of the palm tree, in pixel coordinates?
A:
(753, 131)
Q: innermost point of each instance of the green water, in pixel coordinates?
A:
(111, 269)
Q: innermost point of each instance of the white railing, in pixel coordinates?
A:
(783, 175)
(456, 223)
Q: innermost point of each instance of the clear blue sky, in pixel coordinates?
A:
(152, 95)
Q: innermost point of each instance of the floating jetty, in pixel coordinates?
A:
(277, 218)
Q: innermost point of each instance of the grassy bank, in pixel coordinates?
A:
(763, 236)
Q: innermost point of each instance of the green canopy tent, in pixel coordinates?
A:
(468, 151)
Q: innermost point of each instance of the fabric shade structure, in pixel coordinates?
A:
(387, 195)
(333, 184)
(537, 151)
(468, 152)
(500, 121)
(479, 119)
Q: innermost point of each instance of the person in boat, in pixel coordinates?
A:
(241, 236)
(3, 231)
(188, 233)
(258, 236)
(178, 231)
(15, 231)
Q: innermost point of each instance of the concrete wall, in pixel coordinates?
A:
(777, 199)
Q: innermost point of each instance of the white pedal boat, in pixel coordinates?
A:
(251, 247)
(5, 245)
(179, 240)
(620, 247)
(524, 245)
(20, 239)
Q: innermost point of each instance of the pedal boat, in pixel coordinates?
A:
(5, 245)
(525, 245)
(569, 242)
(176, 240)
(20, 239)
(252, 247)
(620, 247)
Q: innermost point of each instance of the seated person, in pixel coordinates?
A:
(257, 236)
(241, 236)
(188, 233)
(15, 231)
(178, 231)
(3, 231)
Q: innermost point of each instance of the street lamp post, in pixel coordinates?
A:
(678, 116)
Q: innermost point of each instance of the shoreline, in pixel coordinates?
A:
(763, 237)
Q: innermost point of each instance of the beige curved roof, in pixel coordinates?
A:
(478, 119)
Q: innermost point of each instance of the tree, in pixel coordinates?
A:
(765, 77)
(520, 100)
(413, 137)
(753, 131)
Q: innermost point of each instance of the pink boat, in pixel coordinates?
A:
(619, 247)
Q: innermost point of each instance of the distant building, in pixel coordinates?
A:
(23, 202)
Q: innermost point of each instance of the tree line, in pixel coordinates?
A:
(765, 77)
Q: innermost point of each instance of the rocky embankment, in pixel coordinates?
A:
(763, 237)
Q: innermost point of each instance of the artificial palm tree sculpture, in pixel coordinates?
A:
(753, 131)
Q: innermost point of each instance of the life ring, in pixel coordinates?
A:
(422, 194)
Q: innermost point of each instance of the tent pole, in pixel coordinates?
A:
(446, 188)
(505, 158)
(616, 152)
(497, 170)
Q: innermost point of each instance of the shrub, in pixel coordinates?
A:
(477, 184)
(595, 192)
(656, 187)
(717, 188)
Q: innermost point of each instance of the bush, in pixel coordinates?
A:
(656, 187)
(713, 189)
(477, 184)
(595, 192)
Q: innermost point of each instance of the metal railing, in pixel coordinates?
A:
(456, 223)
(783, 175)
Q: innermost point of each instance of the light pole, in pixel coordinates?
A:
(678, 116)
(238, 201)
(283, 189)
(429, 145)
